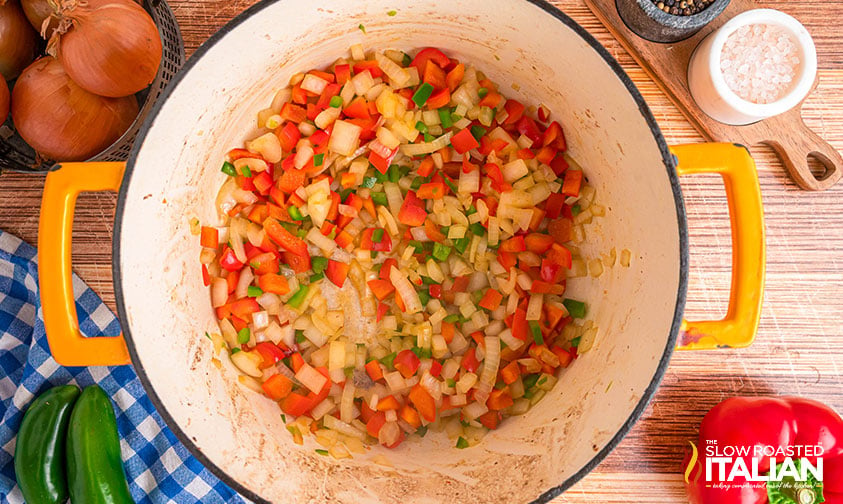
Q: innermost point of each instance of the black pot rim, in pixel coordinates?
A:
(670, 167)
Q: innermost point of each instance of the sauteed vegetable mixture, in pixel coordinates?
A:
(395, 252)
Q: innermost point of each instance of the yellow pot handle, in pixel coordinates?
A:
(746, 214)
(55, 229)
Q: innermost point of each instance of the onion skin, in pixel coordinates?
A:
(62, 121)
(18, 40)
(112, 47)
(36, 12)
(4, 101)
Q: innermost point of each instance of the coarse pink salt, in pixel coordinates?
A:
(759, 62)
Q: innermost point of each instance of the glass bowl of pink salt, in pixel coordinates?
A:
(759, 64)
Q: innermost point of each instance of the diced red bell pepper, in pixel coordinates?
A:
(527, 126)
(554, 136)
(550, 271)
(561, 229)
(510, 372)
(423, 402)
(293, 113)
(538, 242)
(357, 108)
(572, 183)
(296, 404)
(464, 141)
(554, 204)
(276, 284)
(559, 165)
(337, 272)
(284, 238)
(299, 263)
(412, 212)
(406, 363)
(542, 287)
(429, 54)
(263, 263)
(229, 261)
(460, 283)
(232, 280)
(277, 387)
(469, 360)
(379, 162)
(438, 99)
(209, 237)
(331, 90)
(410, 415)
(312, 111)
(383, 308)
(263, 183)
(448, 330)
(270, 354)
(491, 100)
(507, 259)
(520, 328)
(514, 110)
(432, 231)
(366, 242)
(370, 66)
(491, 300)
(490, 419)
(291, 180)
(374, 370)
(546, 154)
(431, 190)
(387, 265)
(499, 399)
(560, 255)
(388, 403)
(381, 288)
(288, 135)
(435, 291)
(373, 426)
(435, 369)
(343, 73)
(243, 308)
(206, 277)
(434, 75)
(299, 95)
(515, 244)
(344, 240)
(455, 76)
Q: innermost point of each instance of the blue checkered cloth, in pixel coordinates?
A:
(158, 466)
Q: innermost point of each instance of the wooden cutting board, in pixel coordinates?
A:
(812, 162)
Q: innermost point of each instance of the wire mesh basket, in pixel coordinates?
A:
(16, 155)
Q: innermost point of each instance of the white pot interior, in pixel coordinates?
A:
(176, 177)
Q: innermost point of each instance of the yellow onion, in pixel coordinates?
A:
(4, 101)
(109, 47)
(37, 11)
(17, 39)
(62, 121)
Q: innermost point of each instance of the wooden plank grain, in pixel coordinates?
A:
(798, 348)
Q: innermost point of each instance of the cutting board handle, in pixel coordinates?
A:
(796, 146)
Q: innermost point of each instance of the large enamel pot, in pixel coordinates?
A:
(173, 175)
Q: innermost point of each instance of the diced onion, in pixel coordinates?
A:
(345, 136)
(311, 378)
(405, 289)
(219, 292)
(426, 148)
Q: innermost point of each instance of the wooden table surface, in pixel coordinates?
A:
(799, 347)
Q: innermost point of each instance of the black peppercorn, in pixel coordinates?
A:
(682, 7)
